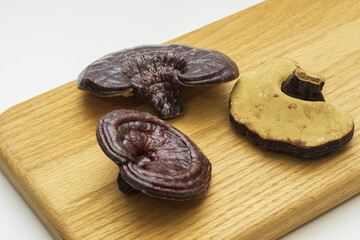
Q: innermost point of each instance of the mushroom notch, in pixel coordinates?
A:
(156, 74)
(153, 157)
(280, 107)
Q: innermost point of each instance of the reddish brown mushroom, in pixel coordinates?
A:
(156, 74)
(154, 157)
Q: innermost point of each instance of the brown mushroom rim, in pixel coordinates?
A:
(153, 156)
(186, 188)
(293, 148)
(258, 103)
(309, 77)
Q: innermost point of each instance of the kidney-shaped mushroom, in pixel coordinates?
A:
(156, 73)
(153, 156)
(280, 106)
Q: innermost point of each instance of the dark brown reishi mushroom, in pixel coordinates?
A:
(153, 157)
(156, 73)
(280, 107)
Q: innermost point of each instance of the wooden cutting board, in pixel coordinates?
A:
(49, 150)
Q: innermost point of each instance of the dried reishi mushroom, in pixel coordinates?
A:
(155, 73)
(153, 156)
(280, 106)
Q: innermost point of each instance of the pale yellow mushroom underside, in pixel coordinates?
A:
(257, 102)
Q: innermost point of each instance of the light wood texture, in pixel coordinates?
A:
(49, 150)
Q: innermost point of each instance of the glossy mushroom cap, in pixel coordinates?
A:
(153, 156)
(155, 73)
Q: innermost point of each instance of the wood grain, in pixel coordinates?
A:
(49, 150)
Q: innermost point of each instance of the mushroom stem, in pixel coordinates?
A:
(161, 89)
(124, 187)
(304, 86)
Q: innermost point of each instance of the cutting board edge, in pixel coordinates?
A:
(334, 198)
(13, 173)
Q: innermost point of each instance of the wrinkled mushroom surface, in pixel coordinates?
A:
(281, 108)
(153, 157)
(155, 73)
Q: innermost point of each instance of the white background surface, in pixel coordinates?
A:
(44, 44)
